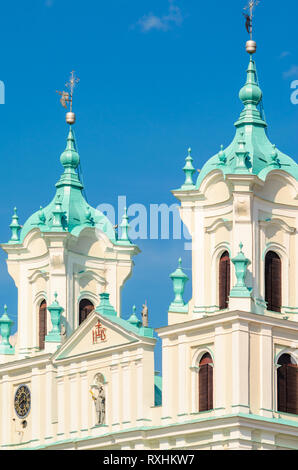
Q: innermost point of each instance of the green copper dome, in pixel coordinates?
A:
(250, 152)
(251, 92)
(68, 211)
(70, 157)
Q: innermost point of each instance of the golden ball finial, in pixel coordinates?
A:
(251, 47)
(70, 118)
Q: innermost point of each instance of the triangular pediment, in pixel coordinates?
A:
(97, 334)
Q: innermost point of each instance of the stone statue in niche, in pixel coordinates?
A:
(98, 396)
(145, 315)
(100, 406)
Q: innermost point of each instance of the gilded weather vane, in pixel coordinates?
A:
(67, 97)
(251, 45)
(249, 18)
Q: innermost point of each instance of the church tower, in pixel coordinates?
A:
(232, 350)
(78, 370)
(70, 249)
(80, 376)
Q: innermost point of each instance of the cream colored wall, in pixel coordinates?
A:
(224, 213)
(62, 406)
(73, 267)
(243, 347)
(243, 344)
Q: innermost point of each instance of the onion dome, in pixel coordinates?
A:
(251, 92)
(70, 157)
(68, 211)
(251, 151)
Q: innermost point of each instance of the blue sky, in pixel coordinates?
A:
(155, 77)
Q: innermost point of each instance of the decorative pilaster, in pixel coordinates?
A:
(140, 390)
(5, 328)
(55, 310)
(5, 410)
(240, 367)
(74, 400)
(182, 378)
(61, 404)
(266, 376)
(126, 394)
(167, 381)
(36, 413)
(115, 379)
(179, 279)
(50, 378)
(221, 370)
(85, 398)
(15, 228)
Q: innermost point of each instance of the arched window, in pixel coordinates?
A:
(42, 323)
(287, 385)
(224, 280)
(85, 308)
(206, 383)
(273, 281)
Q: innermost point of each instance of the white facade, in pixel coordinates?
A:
(108, 355)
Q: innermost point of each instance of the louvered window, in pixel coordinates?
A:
(206, 383)
(273, 289)
(85, 308)
(42, 323)
(287, 385)
(224, 280)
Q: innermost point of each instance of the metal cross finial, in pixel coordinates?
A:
(249, 18)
